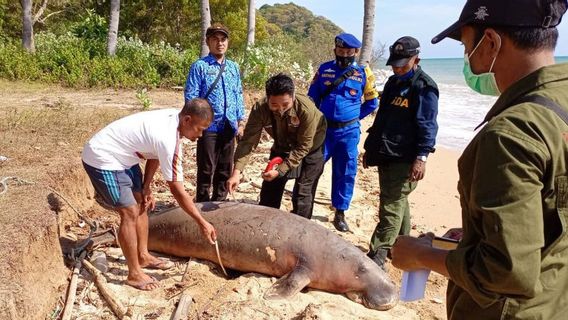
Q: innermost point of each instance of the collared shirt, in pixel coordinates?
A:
(354, 98)
(512, 262)
(300, 131)
(226, 98)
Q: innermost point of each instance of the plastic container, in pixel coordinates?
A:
(413, 284)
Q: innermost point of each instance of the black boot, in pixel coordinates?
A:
(339, 221)
(379, 257)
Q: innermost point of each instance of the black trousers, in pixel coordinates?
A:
(307, 176)
(215, 152)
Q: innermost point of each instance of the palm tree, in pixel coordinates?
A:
(205, 23)
(113, 27)
(251, 23)
(368, 29)
(27, 26)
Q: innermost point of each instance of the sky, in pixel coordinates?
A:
(396, 18)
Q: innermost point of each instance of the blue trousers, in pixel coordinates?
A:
(341, 147)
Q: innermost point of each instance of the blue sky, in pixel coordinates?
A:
(395, 18)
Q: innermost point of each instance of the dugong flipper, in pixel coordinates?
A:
(290, 284)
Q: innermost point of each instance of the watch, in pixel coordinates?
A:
(422, 158)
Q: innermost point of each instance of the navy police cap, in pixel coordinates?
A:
(506, 13)
(347, 40)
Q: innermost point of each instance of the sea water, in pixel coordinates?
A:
(460, 109)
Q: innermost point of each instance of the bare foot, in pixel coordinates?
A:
(145, 283)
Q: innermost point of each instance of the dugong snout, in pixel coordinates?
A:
(381, 299)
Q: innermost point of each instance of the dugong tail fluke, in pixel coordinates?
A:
(259, 239)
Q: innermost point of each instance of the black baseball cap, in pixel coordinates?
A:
(505, 13)
(217, 27)
(402, 51)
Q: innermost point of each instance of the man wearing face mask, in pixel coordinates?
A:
(345, 93)
(512, 262)
(298, 129)
(399, 141)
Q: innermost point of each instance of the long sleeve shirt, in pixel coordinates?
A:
(352, 99)
(512, 262)
(226, 98)
(300, 131)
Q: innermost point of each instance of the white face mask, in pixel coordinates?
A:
(483, 83)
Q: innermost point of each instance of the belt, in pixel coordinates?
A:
(338, 124)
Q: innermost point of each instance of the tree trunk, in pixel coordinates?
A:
(113, 27)
(251, 23)
(27, 26)
(205, 23)
(368, 30)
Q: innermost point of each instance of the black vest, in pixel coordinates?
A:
(393, 135)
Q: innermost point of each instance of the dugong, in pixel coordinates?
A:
(255, 238)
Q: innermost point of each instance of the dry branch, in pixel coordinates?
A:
(68, 308)
(182, 309)
(119, 310)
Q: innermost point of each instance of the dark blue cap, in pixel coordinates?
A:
(506, 13)
(347, 40)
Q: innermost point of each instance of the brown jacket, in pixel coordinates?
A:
(300, 131)
(512, 262)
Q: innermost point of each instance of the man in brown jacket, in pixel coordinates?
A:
(512, 262)
(298, 129)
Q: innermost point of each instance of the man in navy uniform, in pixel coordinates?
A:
(399, 141)
(345, 93)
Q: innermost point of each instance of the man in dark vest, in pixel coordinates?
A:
(399, 141)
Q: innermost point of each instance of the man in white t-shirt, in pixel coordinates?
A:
(111, 159)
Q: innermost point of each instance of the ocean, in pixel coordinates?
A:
(460, 109)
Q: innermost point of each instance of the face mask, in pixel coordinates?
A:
(484, 83)
(344, 62)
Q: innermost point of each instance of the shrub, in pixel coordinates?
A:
(81, 61)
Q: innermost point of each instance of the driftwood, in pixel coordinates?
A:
(68, 308)
(119, 310)
(182, 309)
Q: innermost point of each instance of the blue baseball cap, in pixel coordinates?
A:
(347, 40)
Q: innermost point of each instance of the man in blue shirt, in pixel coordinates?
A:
(399, 141)
(225, 95)
(338, 89)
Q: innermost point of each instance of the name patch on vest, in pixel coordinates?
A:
(400, 102)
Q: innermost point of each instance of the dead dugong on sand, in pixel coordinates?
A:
(254, 238)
